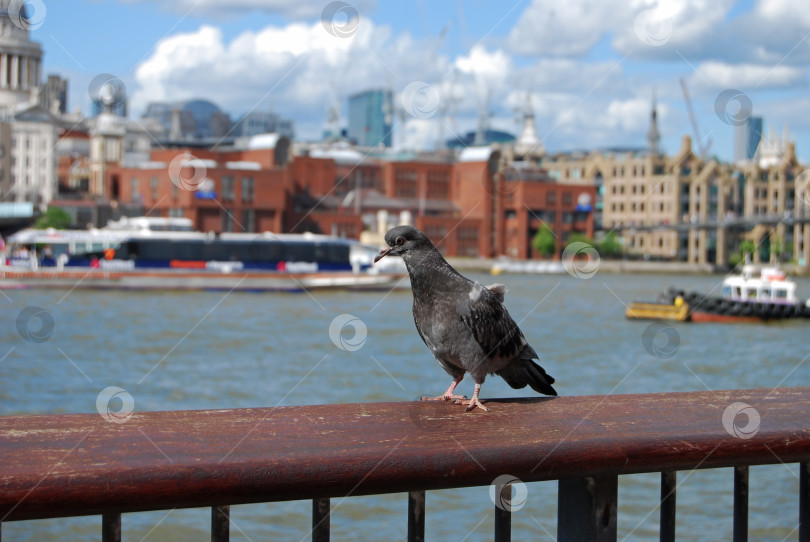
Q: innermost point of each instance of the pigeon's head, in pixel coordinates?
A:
(403, 241)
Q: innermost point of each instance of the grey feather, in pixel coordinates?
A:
(499, 290)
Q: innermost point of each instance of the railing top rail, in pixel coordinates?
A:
(78, 464)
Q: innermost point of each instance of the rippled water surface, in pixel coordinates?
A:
(215, 350)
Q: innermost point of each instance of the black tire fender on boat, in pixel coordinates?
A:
(723, 306)
(734, 308)
(746, 310)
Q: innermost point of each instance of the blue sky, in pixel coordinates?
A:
(588, 68)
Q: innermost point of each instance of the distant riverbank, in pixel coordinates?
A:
(629, 266)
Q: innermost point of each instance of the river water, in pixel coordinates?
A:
(216, 350)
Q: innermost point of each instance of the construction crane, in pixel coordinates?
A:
(703, 150)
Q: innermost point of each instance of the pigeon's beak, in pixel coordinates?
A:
(382, 254)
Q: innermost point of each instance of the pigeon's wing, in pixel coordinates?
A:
(493, 328)
(423, 316)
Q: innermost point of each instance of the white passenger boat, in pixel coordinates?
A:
(166, 254)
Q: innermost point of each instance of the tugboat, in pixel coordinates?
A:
(747, 297)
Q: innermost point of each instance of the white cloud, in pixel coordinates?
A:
(775, 32)
(569, 28)
(640, 27)
(491, 66)
(419, 134)
(744, 76)
(660, 29)
(296, 65)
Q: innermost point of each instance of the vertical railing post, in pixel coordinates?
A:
(586, 509)
(804, 502)
(111, 527)
(320, 520)
(503, 515)
(416, 516)
(669, 482)
(220, 523)
(740, 504)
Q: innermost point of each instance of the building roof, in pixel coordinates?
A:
(340, 155)
(475, 154)
(263, 141)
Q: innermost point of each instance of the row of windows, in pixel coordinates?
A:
(27, 142)
(641, 189)
(227, 192)
(616, 171)
(659, 206)
(762, 193)
(260, 250)
(647, 241)
(776, 175)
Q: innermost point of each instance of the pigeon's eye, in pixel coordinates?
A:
(400, 241)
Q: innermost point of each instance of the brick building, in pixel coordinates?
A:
(470, 205)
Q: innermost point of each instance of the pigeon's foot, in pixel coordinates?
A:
(475, 402)
(445, 397)
(472, 403)
(448, 395)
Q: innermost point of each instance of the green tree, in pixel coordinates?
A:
(777, 248)
(610, 247)
(747, 247)
(53, 217)
(544, 241)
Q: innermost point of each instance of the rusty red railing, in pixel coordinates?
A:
(83, 464)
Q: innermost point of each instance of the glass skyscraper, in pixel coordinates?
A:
(746, 139)
(371, 117)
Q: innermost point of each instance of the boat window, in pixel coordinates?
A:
(781, 294)
(123, 251)
(339, 253)
(726, 291)
(765, 293)
(237, 252)
(261, 250)
(299, 252)
(751, 293)
(737, 291)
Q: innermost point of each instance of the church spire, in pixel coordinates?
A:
(653, 136)
(528, 143)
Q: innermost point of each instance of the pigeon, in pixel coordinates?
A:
(463, 323)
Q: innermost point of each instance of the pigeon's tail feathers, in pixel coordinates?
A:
(499, 290)
(540, 380)
(524, 372)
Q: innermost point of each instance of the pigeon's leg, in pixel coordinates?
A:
(474, 402)
(448, 395)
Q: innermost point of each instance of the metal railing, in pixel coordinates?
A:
(66, 465)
